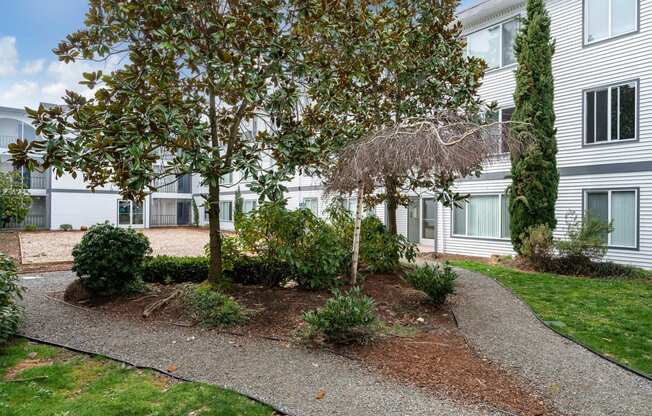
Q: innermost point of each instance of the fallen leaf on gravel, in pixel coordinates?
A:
(320, 394)
(171, 368)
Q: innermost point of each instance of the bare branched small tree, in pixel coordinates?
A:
(431, 153)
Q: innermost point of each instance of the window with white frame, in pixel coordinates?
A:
(482, 216)
(495, 45)
(605, 19)
(351, 204)
(620, 207)
(502, 115)
(312, 204)
(227, 179)
(226, 211)
(249, 205)
(611, 113)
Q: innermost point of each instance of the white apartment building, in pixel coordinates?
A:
(603, 103)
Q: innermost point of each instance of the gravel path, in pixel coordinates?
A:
(40, 247)
(502, 327)
(286, 377)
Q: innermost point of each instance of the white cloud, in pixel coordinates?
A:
(8, 55)
(41, 80)
(33, 67)
(20, 94)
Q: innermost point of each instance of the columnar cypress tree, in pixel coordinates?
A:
(535, 177)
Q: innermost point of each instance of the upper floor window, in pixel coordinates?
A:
(500, 132)
(227, 179)
(495, 44)
(249, 205)
(611, 113)
(605, 19)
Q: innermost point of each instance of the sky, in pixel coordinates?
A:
(29, 72)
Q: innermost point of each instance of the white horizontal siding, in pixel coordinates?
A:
(577, 68)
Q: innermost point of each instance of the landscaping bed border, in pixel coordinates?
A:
(538, 318)
(158, 370)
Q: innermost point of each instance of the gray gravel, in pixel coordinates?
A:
(284, 376)
(503, 328)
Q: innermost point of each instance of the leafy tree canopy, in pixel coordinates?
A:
(196, 74)
(373, 64)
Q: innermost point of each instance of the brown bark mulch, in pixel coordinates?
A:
(422, 345)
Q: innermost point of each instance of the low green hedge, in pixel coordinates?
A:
(247, 270)
(169, 269)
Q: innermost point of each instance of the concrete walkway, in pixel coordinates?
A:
(500, 326)
(286, 377)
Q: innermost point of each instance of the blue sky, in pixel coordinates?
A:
(29, 71)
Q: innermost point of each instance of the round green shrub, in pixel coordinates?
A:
(212, 308)
(108, 260)
(344, 318)
(434, 280)
(10, 312)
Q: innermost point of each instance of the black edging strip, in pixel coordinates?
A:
(165, 373)
(581, 344)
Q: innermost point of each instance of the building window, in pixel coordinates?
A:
(249, 205)
(620, 207)
(611, 113)
(227, 179)
(495, 45)
(226, 211)
(605, 19)
(482, 216)
(351, 204)
(500, 133)
(429, 220)
(312, 204)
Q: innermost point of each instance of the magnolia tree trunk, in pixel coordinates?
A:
(391, 204)
(356, 237)
(215, 236)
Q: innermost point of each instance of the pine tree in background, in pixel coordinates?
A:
(535, 177)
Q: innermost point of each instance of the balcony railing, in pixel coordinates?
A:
(37, 221)
(181, 185)
(35, 181)
(5, 141)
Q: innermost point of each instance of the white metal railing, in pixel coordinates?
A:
(164, 219)
(37, 221)
(6, 140)
(37, 181)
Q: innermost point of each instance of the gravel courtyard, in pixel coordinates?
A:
(56, 246)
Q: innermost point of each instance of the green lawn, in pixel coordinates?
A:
(60, 383)
(613, 317)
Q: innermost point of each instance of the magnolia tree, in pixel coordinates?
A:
(375, 63)
(195, 72)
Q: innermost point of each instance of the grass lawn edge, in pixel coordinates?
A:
(273, 407)
(464, 265)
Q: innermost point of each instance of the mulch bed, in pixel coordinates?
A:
(422, 347)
